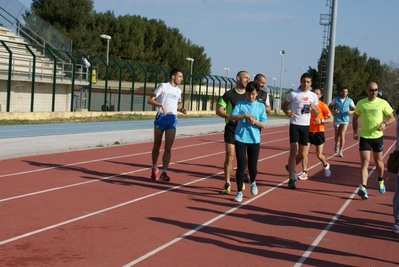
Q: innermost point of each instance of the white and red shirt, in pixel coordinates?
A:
(300, 104)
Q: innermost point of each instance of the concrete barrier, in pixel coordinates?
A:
(84, 114)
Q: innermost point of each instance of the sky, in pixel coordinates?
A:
(249, 35)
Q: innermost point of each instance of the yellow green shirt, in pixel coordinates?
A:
(372, 114)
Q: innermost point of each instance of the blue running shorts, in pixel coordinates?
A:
(165, 122)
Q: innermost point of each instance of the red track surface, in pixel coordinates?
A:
(98, 207)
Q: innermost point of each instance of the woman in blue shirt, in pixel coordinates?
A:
(251, 117)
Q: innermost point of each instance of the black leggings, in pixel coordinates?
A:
(252, 150)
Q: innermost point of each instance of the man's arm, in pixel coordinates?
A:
(221, 112)
(284, 108)
(391, 119)
(355, 126)
(152, 101)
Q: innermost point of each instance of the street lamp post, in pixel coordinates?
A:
(227, 71)
(108, 38)
(282, 52)
(274, 79)
(191, 82)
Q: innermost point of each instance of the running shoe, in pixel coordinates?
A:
(295, 174)
(246, 177)
(340, 154)
(336, 148)
(381, 186)
(327, 171)
(154, 173)
(238, 197)
(362, 192)
(164, 177)
(395, 228)
(226, 188)
(302, 176)
(254, 189)
(291, 184)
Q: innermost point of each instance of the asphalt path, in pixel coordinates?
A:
(14, 131)
(32, 139)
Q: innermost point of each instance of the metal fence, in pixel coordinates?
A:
(124, 83)
(22, 21)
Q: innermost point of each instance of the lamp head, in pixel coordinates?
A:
(190, 59)
(105, 36)
(282, 52)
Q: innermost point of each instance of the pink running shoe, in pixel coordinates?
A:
(154, 174)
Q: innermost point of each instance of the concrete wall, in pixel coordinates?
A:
(20, 97)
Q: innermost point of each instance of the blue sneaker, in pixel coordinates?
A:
(254, 189)
(362, 192)
(291, 184)
(238, 197)
(381, 186)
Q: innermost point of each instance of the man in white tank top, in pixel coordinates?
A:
(165, 98)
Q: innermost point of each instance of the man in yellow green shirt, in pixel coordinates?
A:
(376, 114)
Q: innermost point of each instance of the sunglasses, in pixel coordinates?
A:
(373, 90)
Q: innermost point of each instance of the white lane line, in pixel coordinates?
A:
(97, 160)
(118, 157)
(187, 234)
(97, 180)
(109, 177)
(333, 220)
(198, 228)
(126, 203)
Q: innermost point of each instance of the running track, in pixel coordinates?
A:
(97, 207)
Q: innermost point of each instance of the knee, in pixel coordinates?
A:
(229, 158)
(167, 149)
(365, 162)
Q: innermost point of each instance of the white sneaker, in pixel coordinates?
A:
(327, 171)
(395, 228)
(340, 154)
(254, 189)
(238, 197)
(302, 176)
(336, 148)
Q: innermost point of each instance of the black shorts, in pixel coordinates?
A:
(299, 134)
(229, 132)
(317, 138)
(376, 144)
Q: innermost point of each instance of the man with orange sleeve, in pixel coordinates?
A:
(316, 136)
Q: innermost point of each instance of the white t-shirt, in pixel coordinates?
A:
(169, 96)
(86, 63)
(300, 105)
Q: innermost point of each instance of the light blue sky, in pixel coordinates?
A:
(250, 34)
